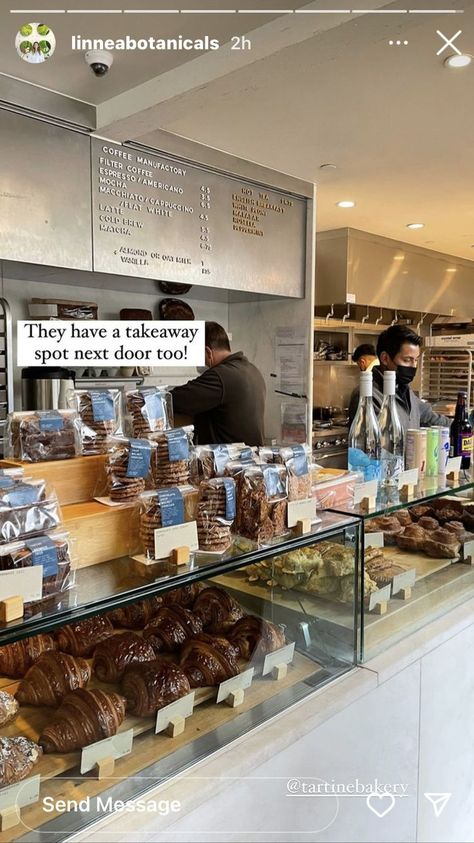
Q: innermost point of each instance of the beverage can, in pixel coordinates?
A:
(432, 451)
(443, 452)
(416, 450)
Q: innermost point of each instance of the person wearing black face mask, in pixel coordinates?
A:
(398, 350)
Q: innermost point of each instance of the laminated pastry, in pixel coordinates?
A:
(8, 708)
(164, 508)
(80, 639)
(135, 615)
(124, 482)
(419, 510)
(442, 544)
(403, 517)
(217, 610)
(412, 538)
(185, 595)
(171, 627)
(382, 570)
(389, 525)
(16, 658)
(208, 660)
(43, 435)
(337, 558)
(428, 524)
(171, 459)
(83, 718)
(347, 587)
(152, 685)
(293, 569)
(150, 410)
(51, 678)
(18, 756)
(447, 510)
(115, 654)
(215, 514)
(460, 531)
(255, 637)
(99, 411)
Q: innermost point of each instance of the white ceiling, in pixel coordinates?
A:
(315, 89)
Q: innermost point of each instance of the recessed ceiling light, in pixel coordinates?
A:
(414, 225)
(451, 269)
(328, 166)
(458, 60)
(399, 257)
(346, 203)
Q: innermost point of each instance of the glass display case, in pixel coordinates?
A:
(302, 595)
(417, 558)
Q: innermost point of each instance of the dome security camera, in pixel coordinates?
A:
(99, 61)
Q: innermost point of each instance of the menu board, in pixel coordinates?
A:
(158, 217)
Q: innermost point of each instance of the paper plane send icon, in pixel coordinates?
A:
(438, 801)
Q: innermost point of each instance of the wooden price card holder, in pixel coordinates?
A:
(453, 470)
(402, 584)
(232, 691)
(407, 482)
(277, 662)
(468, 552)
(102, 755)
(172, 718)
(18, 587)
(11, 608)
(365, 495)
(378, 600)
(14, 798)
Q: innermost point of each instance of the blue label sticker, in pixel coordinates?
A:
(221, 457)
(300, 460)
(246, 455)
(172, 506)
(45, 553)
(274, 481)
(102, 405)
(6, 482)
(178, 445)
(229, 486)
(153, 404)
(139, 457)
(22, 494)
(51, 421)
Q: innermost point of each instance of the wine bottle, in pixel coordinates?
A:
(391, 434)
(364, 435)
(461, 433)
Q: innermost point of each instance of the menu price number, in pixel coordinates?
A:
(204, 229)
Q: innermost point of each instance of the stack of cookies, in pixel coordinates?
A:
(165, 470)
(122, 488)
(213, 524)
(96, 435)
(150, 411)
(150, 520)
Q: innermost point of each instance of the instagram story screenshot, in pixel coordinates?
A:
(236, 421)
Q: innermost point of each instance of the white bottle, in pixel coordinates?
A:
(364, 435)
(391, 434)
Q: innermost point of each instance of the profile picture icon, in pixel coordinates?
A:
(35, 42)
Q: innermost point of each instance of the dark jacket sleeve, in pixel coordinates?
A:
(199, 395)
(428, 417)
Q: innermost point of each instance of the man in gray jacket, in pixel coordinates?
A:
(398, 350)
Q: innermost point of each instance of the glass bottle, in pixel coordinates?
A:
(391, 434)
(364, 435)
(461, 433)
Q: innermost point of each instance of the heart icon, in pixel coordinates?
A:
(385, 803)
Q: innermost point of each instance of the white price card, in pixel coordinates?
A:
(405, 580)
(179, 708)
(242, 680)
(365, 490)
(284, 655)
(374, 539)
(21, 794)
(113, 747)
(382, 595)
(24, 582)
(179, 535)
(409, 478)
(468, 552)
(301, 510)
(453, 464)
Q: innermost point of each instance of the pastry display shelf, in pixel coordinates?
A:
(116, 583)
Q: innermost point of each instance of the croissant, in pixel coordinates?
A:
(217, 610)
(80, 638)
(16, 658)
(17, 759)
(171, 627)
(51, 678)
(136, 615)
(152, 685)
(255, 637)
(8, 708)
(83, 718)
(208, 660)
(112, 656)
(185, 595)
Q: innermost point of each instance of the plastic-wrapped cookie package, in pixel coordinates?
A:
(150, 410)
(262, 493)
(53, 552)
(171, 459)
(101, 417)
(165, 508)
(43, 435)
(27, 508)
(128, 468)
(296, 458)
(216, 514)
(210, 461)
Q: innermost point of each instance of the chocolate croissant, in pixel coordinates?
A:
(16, 658)
(152, 685)
(51, 678)
(208, 660)
(83, 718)
(217, 610)
(17, 759)
(82, 637)
(171, 627)
(112, 656)
(185, 595)
(136, 615)
(8, 708)
(255, 637)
